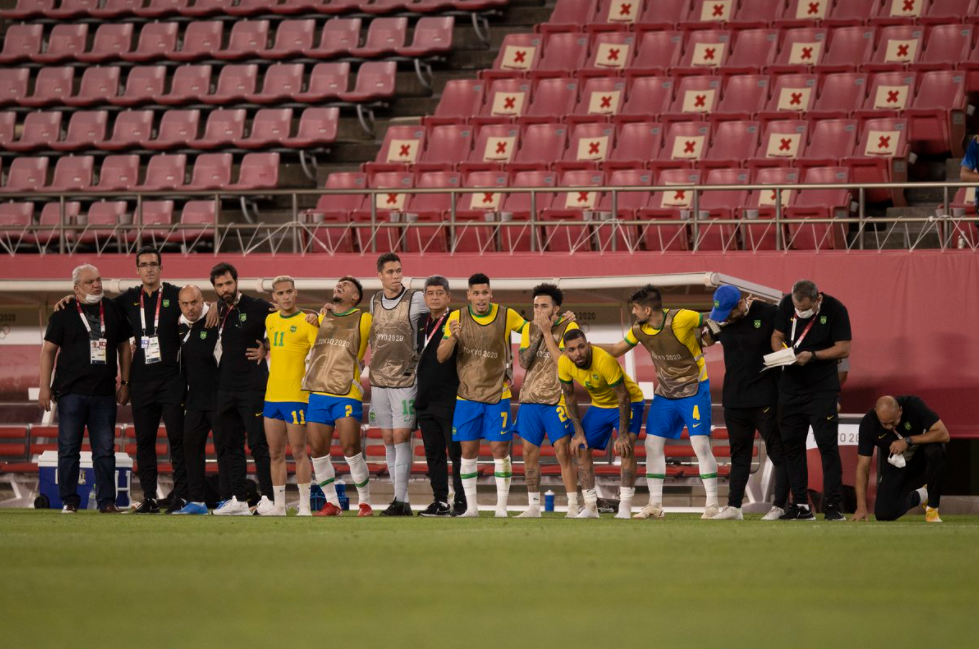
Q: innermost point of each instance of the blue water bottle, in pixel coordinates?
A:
(342, 495)
(549, 501)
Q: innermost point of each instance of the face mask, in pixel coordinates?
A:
(808, 313)
(92, 299)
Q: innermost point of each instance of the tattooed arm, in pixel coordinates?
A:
(571, 404)
(527, 355)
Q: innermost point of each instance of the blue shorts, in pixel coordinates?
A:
(534, 420)
(667, 417)
(474, 420)
(598, 424)
(327, 410)
(291, 412)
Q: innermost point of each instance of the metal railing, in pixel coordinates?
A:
(601, 230)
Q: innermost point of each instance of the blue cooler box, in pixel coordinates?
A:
(47, 464)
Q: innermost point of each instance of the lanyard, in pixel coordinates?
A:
(142, 312)
(88, 327)
(438, 324)
(804, 331)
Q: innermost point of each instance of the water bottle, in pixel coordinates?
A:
(549, 501)
(92, 501)
(342, 495)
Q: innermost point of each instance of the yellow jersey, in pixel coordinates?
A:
(356, 391)
(514, 323)
(600, 378)
(525, 342)
(685, 326)
(290, 339)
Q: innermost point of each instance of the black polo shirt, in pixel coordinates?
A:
(243, 328)
(168, 367)
(74, 372)
(830, 325)
(197, 364)
(438, 383)
(916, 418)
(745, 342)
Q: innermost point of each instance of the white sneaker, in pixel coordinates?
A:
(472, 512)
(728, 514)
(773, 514)
(625, 510)
(532, 512)
(502, 513)
(267, 508)
(573, 512)
(651, 511)
(588, 511)
(233, 508)
(710, 512)
(304, 512)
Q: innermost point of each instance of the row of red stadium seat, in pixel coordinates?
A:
(702, 14)
(176, 129)
(844, 49)
(206, 40)
(152, 9)
(192, 84)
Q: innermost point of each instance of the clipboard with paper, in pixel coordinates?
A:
(781, 358)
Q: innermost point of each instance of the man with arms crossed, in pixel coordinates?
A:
(336, 397)
(542, 404)
(481, 333)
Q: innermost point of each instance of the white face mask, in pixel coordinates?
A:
(92, 299)
(808, 313)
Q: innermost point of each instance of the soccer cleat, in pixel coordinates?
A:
(435, 510)
(394, 509)
(364, 511)
(773, 514)
(69, 509)
(931, 515)
(796, 513)
(469, 513)
(148, 506)
(329, 509)
(265, 507)
(833, 514)
(532, 512)
(728, 514)
(573, 511)
(624, 515)
(501, 513)
(176, 504)
(110, 509)
(406, 509)
(651, 511)
(233, 507)
(710, 511)
(192, 509)
(588, 511)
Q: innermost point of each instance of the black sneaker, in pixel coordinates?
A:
(397, 508)
(833, 514)
(148, 506)
(796, 513)
(406, 509)
(459, 507)
(176, 504)
(435, 510)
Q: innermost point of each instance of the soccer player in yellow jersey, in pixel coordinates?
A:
(336, 396)
(682, 391)
(481, 332)
(290, 338)
(616, 403)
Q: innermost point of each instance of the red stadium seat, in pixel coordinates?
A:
(326, 81)
(432, 36)
(116, 8)
(588, 147)
(249, 7)
(627, 205)
(249, 38)
(793, 95)
(474, 209)
(102, 222)
(600, 100)
(161, 8)
(202, 39)
(647, 98)
(518, 54)
(840, 94)
(898, 47)
(337, 209)
(317, 127)
(388, 206)
(635, 144)
(696, 98)
(495, 146)
(721, 204)
(202, 8)
(384, 6)
(686, 142)
(164, 172)
(830, 141)
(708, 14)
(758, 224)
(610, 53)
(257, 171)
(517, 237)
(733, 142)
(8, 123)
(940, 12)
(290, 7)
(111, 42)
(235, 84)
(224, 127)
(781, 144)
(39, 130)
(754, 50)
(21, 43)
(375, 81)
(446, 146)
(881, 157)
(804, 13)
(668, 212)
(190, 84)
(704, 51)
(51, 86)
(384, 36)
(292, 39)
(85, 130)
(657, 53)
(65, 42)
(506, 100)
(565, 228)
(26, 174)
(132, 129)
(98, 85)
(819, 203)
(663, 14)
(270, 127)
(118, 173)
(947, 46)
(156, 41)
(431, 208)
(401, 148)
(938, 113)
(552, 100)
(13, 85)
(898, 12)
(154, 213)
(461, 99)
(568, 15)
(541, 146)
(745, 95)
(890, 94)
(282, 82)
(211, 171)
(144, 85)
(849, 48)
(801, 50)
(850, 13)
(72, 174)
(339, 36)
(564, 54)
(756, 14)
(25, 9)
(72, 9)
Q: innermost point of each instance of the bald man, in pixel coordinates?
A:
(914, 438)
(200, 371)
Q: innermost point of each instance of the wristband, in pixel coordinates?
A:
(907, 440)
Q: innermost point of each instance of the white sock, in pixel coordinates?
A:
(360, 476)
(402, 468)
(923, 495)
(625, 499)
(502, 472)
(326, 478)
(304, 498)
(573, 501)
(533, 499)
(468, 473)
(591, 497)
(391, 459)
(279, 494)
(708, 467)
(655, 468)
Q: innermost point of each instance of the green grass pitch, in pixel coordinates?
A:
(187, 582)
